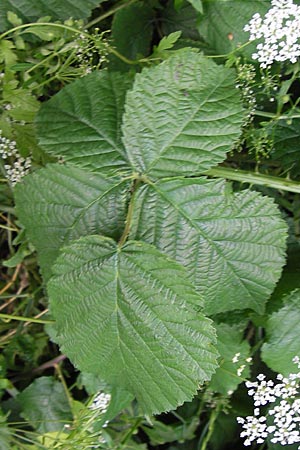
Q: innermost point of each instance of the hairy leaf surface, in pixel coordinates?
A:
(82, 122)
(283, 336)
(232, 244)
(182, 116)
(59, 204)
(31, 10)
(132, 316)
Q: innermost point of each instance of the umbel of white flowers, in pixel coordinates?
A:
(281, 422)
(16, 166)
(278, 33)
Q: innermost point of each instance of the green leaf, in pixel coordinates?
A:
(59, 204)
(45, 405)
(132, 30)
(31, 10)
(180, 16)
(167, 42)
(232, 244)
(197, 4)
(82, 122)
(120, 399)
(182, 116)
(285, 135)
(223, 23)
(132, 316)
(282, 331)
(230, 343)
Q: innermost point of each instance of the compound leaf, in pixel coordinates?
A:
(283, 336)
(132, 316)
(58, 204)
(31, 10)
(232, 244)
(182, 116)
(82, 122)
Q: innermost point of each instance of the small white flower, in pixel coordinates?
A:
(279, 32)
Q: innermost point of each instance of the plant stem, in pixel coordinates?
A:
(24, 319)
(130, 433)
(109, 13)
(254, 178)
(211, 424)
(126, 231)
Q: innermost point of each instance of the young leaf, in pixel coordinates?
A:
(60, 203)
(31, 10)
(283, 336)
(82, 122)
(182, 116)
(132, 316)
(232, 244)
(45, 405)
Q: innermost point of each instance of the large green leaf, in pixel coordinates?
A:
(60, 203)
(232, 244)
(283, 336)
(82, 122)
(182, 116)
(45, 405)
(132, 30)
(31, 10)
(223, 23)
(132, 316)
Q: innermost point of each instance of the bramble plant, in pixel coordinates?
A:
(159, 282)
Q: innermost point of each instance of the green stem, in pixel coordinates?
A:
(130, 433)
(41, 24)
(276, 116)
(254, 178)
(109, 13)
(211, 426)
(24, 319)
(126, 231)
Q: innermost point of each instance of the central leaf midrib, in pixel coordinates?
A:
(189, 119)
(200, 231)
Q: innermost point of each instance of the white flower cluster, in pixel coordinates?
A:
(285, 415)
(20, 167)
(279, 32)
(101, 402)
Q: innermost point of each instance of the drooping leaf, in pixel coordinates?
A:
(182, 116)
(223, 23)
(31, 10)
(45, 405)
(132, 30)
(82, 122)
(283, 336)
(132, 316)
(229, 344)
(232, 244)
(180, 16)
(60, 203)
(285, 135)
